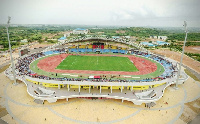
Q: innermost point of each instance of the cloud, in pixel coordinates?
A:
(101, 12)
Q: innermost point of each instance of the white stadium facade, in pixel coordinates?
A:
(143, 91)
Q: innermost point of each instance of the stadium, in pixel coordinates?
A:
(96, 67)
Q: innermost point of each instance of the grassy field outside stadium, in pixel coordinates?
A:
(97, 63)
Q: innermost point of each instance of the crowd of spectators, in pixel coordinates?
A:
(24, 63)
(23, 68)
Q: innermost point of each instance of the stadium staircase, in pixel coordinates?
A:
(38, 101)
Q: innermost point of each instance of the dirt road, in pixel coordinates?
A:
(195, 65)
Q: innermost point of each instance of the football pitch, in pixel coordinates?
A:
(97, 63)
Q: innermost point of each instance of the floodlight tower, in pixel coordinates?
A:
(11, 58)
(179, 70)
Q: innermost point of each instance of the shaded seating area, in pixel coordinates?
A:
(51, 52)
(114, 51)
(82, 50)
(73, 50)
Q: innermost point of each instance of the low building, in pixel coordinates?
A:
(147, 44)
(62, 38)
(128, 37)
(161, 43)
(162, 37)
(153, 37)
(24, 41)
(80, 31)
(115, 37)
(158, 37)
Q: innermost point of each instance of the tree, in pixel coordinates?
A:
(45, 39)
(40, 41)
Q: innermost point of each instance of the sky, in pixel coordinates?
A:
(157, 13)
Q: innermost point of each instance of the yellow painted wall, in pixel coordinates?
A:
(106, 47)
(144, 87)
(74, 86)
(45, 84)
(86, 86)
(140, 87)
(72, 47)
(124, 48)
(129, 87)
(156, 85)
(105, 87)
(49, 85)
(89, 46)
(102, 87)
(113, 47)
(35, 82)
(117, 87)
(82, 46)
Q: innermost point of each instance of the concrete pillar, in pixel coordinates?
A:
(89, 88)
(100, 89)
(111, 89)
(131, 88)
(68, 87)
(79, 88)
(121, 89)
(122, 100)
(67, 99)
(58, 86)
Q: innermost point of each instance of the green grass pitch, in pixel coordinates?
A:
(97, 63)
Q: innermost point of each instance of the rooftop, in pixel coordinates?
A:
(147, 43)
(80, 29)
(62, 38)
(162, 42)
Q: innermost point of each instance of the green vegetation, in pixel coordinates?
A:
(160, 70)
(35, 69)
(176, 47)
(51, 41)
(195, 56)
(43, 33)
(31, 33)
(132, 31)
(192, 43)
(181, 37)
(97, 63)
(4, 68)
(191, 75)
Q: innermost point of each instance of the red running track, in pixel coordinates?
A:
(50, 63)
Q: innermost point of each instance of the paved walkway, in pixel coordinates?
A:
(192, 71)
(24, 110)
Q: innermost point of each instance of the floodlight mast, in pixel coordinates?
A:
(11, 58)
(179, 70)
